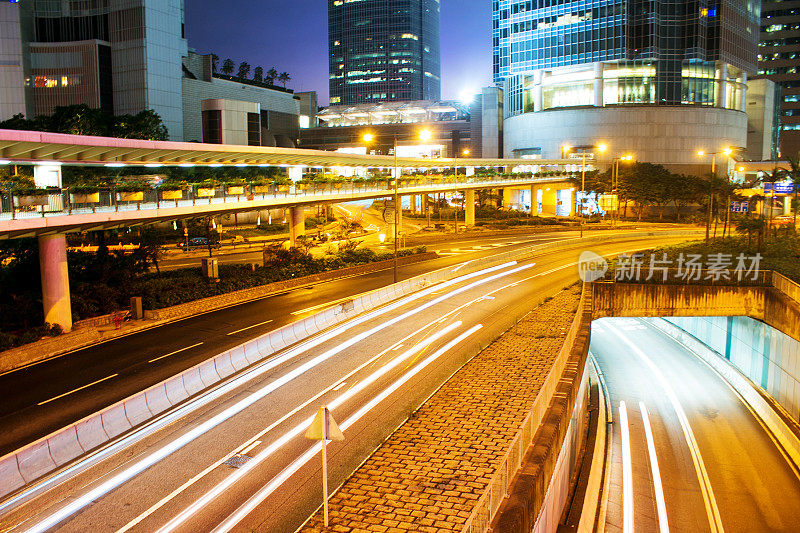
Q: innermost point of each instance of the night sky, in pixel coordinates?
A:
(291, 35)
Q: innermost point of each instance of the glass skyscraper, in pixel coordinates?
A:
(559, 53)
(383, 50)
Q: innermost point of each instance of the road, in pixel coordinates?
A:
(372, 371)
(42, 398)
(691, 457)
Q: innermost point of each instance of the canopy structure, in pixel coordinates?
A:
(39, 147)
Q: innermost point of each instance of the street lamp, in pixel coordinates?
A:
(615, 182)
(424, 135)
(727, 151)
(602, 147)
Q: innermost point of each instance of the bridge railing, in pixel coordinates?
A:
(59, 202)
(682, 276)
(787, 286)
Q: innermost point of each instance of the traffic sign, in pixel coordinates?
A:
(324, 428)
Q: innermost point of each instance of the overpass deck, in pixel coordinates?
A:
(61, 215)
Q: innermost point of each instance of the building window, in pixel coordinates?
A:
(212, 127)
(254, 129)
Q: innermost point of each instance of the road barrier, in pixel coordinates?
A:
(31, 467)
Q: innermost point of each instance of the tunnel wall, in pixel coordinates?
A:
(765, 355)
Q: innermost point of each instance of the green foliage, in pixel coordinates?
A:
(133, 186)
(228, 67)
(84, 189)
(83, 120)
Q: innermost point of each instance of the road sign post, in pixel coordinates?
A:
(324, 428)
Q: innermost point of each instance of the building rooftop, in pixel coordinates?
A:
(393, 113)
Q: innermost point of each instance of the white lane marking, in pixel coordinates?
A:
(712, 511)
(322, 306)
(249, 327)
(339, 386)
(295, 432)
(627, 471)
(176, 351)
(250, 447)
(79, 388)
(264, 493)
(661, 506)
(147, 461)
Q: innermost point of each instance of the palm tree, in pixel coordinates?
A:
(258, 74)
(284, 78)
(244, 70)
(270, 76)
(228, 67)
(215, 62)
(794, 175)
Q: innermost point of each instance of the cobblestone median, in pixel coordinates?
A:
(430, 473)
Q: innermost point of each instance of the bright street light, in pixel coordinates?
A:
(602, 147)
(369, 137)
(425, 135)
(466, 151)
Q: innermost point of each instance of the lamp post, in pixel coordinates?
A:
(615, 183)
(424, 135)
(466, 153)
(701, 153)
(602, 147)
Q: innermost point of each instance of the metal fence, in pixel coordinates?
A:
(61, 202)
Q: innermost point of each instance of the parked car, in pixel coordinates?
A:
(197, 243)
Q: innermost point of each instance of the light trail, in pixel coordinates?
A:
(151, 459)
(712, 511)
(264, 493)
(627, 470)
(661, 506)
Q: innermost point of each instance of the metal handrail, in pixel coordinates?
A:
(60, 202)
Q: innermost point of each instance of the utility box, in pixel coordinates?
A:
(211, 269)
(136, 308)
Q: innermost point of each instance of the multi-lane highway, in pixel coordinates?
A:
(372, 371)
(42, 398)
(687, 454)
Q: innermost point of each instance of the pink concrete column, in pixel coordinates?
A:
(55, 280)
(297, 224)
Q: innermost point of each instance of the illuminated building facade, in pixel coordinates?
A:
(383, 50)
(779, 61)
(637, 69)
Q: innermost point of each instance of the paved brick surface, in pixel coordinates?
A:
(428, 475)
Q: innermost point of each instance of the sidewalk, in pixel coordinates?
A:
(430, 473)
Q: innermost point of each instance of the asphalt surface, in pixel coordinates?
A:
(42, 398)
(717, 467)
(373, 371)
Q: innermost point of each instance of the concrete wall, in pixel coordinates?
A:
(761, 120)
(768, 357)
(667, 135)
(12, 76)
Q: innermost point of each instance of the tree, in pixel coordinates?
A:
(151, 249)
(145, 125)
(284, 78)
(258, 74)
(228, 67)
(244, 70)
(215, 63)
(271, 75)
(794, 175)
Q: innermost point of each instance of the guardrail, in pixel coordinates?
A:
(787, 286)
(489, 503)
(60, 202)
(101, 433)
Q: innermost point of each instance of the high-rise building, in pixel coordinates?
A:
(120, 55)
(383, 50)
(659, 78)
(779, 61)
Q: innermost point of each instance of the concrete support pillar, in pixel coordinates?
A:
(722, 85)
(537, 90)
(509, 197)
(297, 224)
(743, 92)
(55, 280)
(534, 201)
(573, 199)
(549, 201)
(413, 204)
(295, 173)
(598, 84)
(787, 205)
(469, 208)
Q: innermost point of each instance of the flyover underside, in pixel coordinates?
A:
(110, 219)
(767, 304)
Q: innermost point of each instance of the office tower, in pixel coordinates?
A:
(660, 78)
(383, 50)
